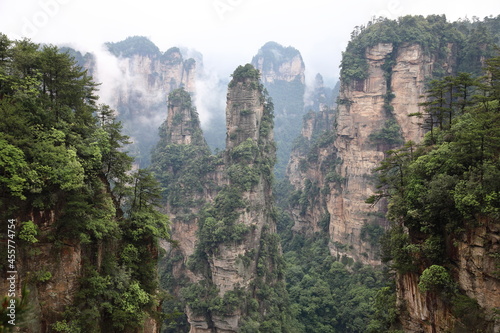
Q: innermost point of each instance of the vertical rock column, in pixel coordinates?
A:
(396, 80)
(245, 258)
(361, 112)
(222, 214)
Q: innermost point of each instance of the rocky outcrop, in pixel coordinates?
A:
(311, 164)
(52, 280)
(360, 113)
(151, 78)
(244, 111)
(392, 91)
(411, 69)
(140, 97)
(227, 240)
(320, 97)
(341, 166)
(422, 313)
(282, 72)
(475, 270)
(277, 63)
(136, 79)
(182, 126)
(181, 152)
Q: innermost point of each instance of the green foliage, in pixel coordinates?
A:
(54, 124)
(28, 232)
(62, 162)
(246, 112)
(397, 249)
(243, 176)
(388, 136)
(203, 299)
(13, 169)
(371, 233)
(64, 327)
(435, 279)
(86, 220)
(214, 232)
(220, 226)
(386, 312)
(181, 168)
(469, 312)
(218, 222)
(244, 74)
(433, 33)
(480, 36)
(245, 152)
(446, 98)
(445, 187)
(110, 300)
(324, 223)
(42, 276)
(325, 294)
(136, 45)
(169, 55)
(303, 198)
(55, 163)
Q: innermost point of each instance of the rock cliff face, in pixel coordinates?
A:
(389, 93)
(152, 78)
(277, 63)
(282, 71)
(475, 270)
(136, 79)
(139, 98)
(332, 174)
(360, 113)
(311, 164)
(321, 97)
(182, 126)
(51, 273)
(364, 107)
(228, 243)
(48, 298)
(179, 154)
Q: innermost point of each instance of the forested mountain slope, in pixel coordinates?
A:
(84, 230)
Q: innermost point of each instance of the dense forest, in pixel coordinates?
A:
(68, 184)
(99, 243)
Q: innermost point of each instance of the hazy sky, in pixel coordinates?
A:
(227, 32)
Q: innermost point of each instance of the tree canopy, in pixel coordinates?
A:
(62, 155)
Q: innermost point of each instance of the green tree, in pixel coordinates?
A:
(62, 164)
(445, 187)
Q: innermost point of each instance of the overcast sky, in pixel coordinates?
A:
(227, 32)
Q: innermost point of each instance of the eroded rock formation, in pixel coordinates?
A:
(230, 252)
(282, 71)
(364, 107)
(337, 177)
